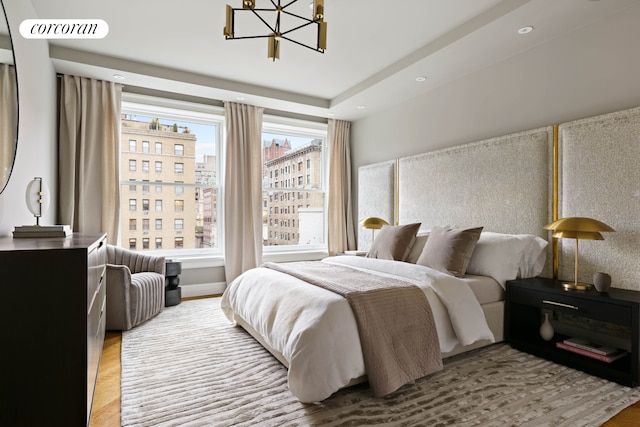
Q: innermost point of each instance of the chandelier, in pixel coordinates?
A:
(276, 33)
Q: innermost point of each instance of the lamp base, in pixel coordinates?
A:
(577, 286)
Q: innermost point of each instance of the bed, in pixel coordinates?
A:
(501, 187)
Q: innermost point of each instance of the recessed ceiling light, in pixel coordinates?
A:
(421, 78)
(525, 30)
(118, 76)
(331, 114)
(361, 107)
(239, 98)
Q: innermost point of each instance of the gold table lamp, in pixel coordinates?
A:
(578, 228)
(373, 223)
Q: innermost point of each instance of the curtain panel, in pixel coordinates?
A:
(242, 189)
(341, 236)
(88, 160)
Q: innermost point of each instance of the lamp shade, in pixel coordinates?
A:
(373, 222)
(581, 226)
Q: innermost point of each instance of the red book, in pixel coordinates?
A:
(610, 358)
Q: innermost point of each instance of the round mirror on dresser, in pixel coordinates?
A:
(8, 102)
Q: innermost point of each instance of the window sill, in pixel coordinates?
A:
(208, 261)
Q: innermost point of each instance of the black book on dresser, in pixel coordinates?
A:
(598, 333)
(52, 317)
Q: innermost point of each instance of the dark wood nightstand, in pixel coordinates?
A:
(610, 319)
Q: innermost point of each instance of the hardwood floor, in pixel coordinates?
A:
(106, 403)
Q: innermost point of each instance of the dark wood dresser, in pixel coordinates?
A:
(52, 319)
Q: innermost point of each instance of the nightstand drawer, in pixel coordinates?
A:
(571, 302)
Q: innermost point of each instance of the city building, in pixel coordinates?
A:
(157, 208)
(293, 184)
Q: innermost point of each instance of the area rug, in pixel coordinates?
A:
(189, 366)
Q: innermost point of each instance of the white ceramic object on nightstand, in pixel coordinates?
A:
(546, 330)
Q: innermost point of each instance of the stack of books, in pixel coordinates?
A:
(42, 231)
(591, 349)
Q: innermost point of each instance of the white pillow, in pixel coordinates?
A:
(507, 256)
(533, 257)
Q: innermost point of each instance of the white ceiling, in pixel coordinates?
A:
(375, 49)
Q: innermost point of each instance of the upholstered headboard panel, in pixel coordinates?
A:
(599, 165)
(376, 196)
(501, 183)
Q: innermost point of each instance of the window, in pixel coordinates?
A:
(132, 188)
(188, 137)
(132, 244)
(145, 243)
(132, 165)
(132, 205)
(145, 224)
(132, 224)
(145, 187)
(132, 145)
(284, 151)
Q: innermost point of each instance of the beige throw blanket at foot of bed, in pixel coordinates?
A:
(395, 323)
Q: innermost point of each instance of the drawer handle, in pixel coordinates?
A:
(573, 307)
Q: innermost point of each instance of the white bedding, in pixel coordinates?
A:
(314, 329)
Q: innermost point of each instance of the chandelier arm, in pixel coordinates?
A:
(288, 4)
(265, 22)
(248, 37)
(309, 21)
(297, 28)
(302, 44)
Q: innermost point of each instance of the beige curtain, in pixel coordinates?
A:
(89, 142)
(341, 232)
(242, 189)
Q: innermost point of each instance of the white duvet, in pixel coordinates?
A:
(315, 331)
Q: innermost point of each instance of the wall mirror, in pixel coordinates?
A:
(8, 102)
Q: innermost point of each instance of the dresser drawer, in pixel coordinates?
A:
(572, 303)
(96, 260)
(96, 321)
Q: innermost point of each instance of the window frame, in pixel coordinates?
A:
(306, 129)
(149, 106)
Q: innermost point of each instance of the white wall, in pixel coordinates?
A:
(36, 154)
(591, 71)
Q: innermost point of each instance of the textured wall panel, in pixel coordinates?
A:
(600, 178)
(503, 184)
(376, 196)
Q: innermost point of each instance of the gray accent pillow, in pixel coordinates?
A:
(449, 250)
(394, 242)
